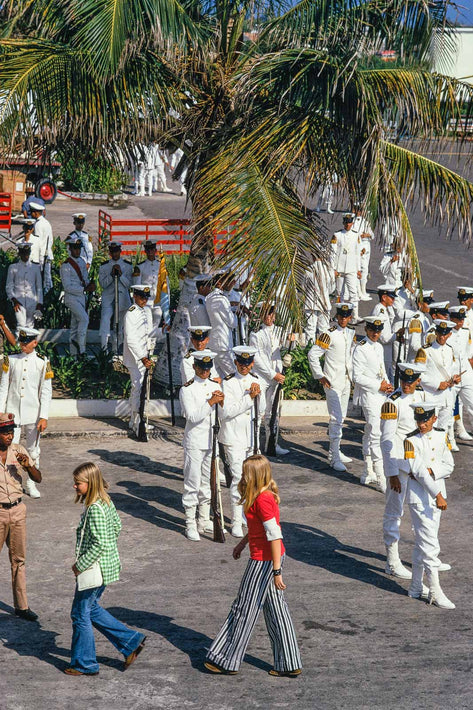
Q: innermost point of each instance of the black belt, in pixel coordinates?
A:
(7, 506)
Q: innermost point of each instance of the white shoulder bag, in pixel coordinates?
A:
(91, 577)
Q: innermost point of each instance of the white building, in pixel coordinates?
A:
(461, 64)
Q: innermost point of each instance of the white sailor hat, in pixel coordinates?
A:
(375, 323)
(344, 308)
(389, 289)
(115, 244)
(199, 332)
(423, 410)
(458, 312)
(204, 358)
(22, 245)
(141, 290)
(201, 278)
(73, 240)
(28, 222)
(439, 306)
(426, 294)
(465, 291)
(444, 326)
(26, 335)
(37, 206)
(244, 354)
(409, 371)
(80, 216)
(348, 217)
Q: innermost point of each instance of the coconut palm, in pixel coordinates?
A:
(262, 121)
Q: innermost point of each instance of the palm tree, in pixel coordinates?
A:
(262, 122)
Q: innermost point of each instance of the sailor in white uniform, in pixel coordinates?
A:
(362, 227)
(76, 283)
(43, 231)
(24, 287)
(199, 340)
(87, 250)
(346, 261)
(387, 295)
(122, 270)
(197, 310)
(147, 272)
(223, 322)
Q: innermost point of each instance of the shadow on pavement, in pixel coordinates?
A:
(138, 462)
(136, 504)
(315, 547)
(193, 643)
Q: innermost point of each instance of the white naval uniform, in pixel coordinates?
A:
(317, 284)
(198, 312)
(74, 299)
(25, 284)
(137, 331)
(392, 270)
(440, 365)
(423, 451)
(397, 421)
(237, 426)
(361, 226)
(106, 281)
(404, 301)
(26, 391)
(461, 343)
(147, 273)
(197, 441)
(87, 250)
(368, 373)
(346, 255)
(267, 364)
(44, 232)
(388, 337)
(223, 321)
(337, 346)
(417, 325)
(187, 367)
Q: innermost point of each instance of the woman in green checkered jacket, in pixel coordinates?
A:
(96, 542)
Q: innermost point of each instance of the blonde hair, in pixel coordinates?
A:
(256, 478)
(97, 490)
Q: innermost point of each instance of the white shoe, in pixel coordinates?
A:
(204, 526)
(444, 567)
(366, 298)
(330, 210)
(280, 451)
(397, 569)
(438, 598)
(30, 489)
(192, 534)
(166, 189)
(419, 593)
(367, 479)
(381, 485)
(453, 445)
(345, 459)
(338, 466)
(237, 530)
(463, 435)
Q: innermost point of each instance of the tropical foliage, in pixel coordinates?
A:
(263, 120)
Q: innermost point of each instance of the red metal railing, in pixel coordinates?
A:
(5, 211)
(173, 236)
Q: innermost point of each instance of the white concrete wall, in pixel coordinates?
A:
(461, 65)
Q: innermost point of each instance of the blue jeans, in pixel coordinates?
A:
(85, 613)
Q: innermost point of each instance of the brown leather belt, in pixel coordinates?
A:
(7, 506)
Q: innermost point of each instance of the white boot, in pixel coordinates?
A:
(394, 565)
(29, 487)
(344, 459)
(436, 595)
(204, 524)
(380, 477)
(451, 436)
(237, 521)
(329, 208)
(444, 567)
(335, 458)
(368, 476)
(191, 524)
(461, 432)
(355, 319)
(417, 589)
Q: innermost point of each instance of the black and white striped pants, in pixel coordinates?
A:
(257, 591)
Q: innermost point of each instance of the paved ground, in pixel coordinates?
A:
(364, 643)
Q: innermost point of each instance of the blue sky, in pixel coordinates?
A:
(465, 16)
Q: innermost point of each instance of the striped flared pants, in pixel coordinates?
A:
(257, 591)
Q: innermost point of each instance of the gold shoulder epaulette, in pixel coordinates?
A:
(49, 372)
(333, 240)
(132, 308)
(6, 363)
(229, 377)
(408, 449)
(421, 356)
(334, 327)
(419, 388)
(323, 340)
(395, 395)
(415, 326)
(388, 411)
(189, 383)
(41, 357)
(429, 340)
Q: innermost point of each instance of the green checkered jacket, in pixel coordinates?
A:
(100, 541)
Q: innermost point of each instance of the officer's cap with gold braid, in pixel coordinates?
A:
(375, 323)
(439, 307)
(427, 295)
(348, 218)
(457, 312)
(141, 290)
(204, 358)
(423, 410)
(344, 308)
(26, 335)
(73, 241)
(387, 289)
(443, 327)
(244, 354)
(464, 293)
(199, 332)
(410, 372)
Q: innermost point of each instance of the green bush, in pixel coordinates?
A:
(299, 382)
(90, 174)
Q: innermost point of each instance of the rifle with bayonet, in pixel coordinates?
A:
(215, 498)
(399, 353)
(273, 422)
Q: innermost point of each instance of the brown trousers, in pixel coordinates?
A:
(13, 533)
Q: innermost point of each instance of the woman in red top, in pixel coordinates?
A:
(262, 584)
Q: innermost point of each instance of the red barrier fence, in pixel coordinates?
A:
(5, 212)
(173, 236)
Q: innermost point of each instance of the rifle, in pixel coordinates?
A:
(142, 433)
(273, 422)
(171, 385)
(255, 427)
(219, 534)
(398, 359)
(116, 310)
